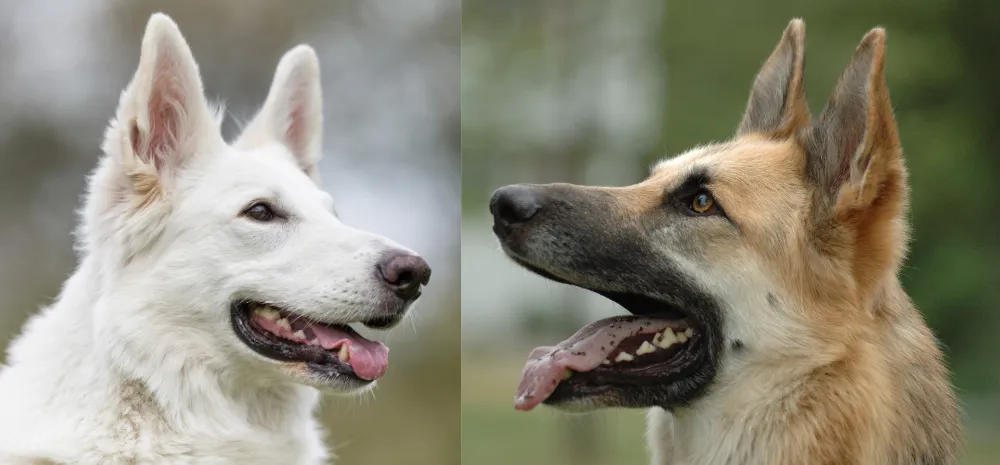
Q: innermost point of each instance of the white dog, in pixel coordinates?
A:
(214, 289)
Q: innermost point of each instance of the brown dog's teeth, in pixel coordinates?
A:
(667, 339)
(624, 357)
(645, 348)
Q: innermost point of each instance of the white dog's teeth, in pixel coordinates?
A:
(268, 313)
(344, 353)
(645, 348)
(283, 323)
(682, 337)
(605, 362)
(667, 340)
(689, 332)
(657, 338)
(299, 335)
(624, 357)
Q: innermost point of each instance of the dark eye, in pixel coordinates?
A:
(703, 204)
(260, 211)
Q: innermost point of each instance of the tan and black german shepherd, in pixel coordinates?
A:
(768, 322)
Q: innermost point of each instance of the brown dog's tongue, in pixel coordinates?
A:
(583, 351)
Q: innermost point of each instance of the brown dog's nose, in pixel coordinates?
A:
(512, 205)
(404, 273)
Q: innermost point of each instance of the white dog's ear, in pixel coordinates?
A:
(163, 118)
(292, 115)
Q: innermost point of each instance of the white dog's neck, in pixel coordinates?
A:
(187, 389)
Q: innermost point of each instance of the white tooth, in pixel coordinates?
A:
(624, 357)
(657, 338)
(299, 335)
(283, 323)
(645, 348)
(682, 337)
(667, 340)
(605, 362)
(689, 332)
(268, 313)
(344, 353)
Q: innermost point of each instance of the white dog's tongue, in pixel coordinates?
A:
(583, 351)
(369, 359)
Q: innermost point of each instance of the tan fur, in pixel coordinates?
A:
(840, 367)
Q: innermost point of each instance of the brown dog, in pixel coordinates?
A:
(768, 322)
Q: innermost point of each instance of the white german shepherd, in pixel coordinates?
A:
(214, 290)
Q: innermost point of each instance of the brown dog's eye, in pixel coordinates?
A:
(703, 204)
(260, 211)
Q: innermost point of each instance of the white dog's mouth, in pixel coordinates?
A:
(330, 350)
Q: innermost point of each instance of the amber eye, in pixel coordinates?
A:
(260, 211)
(703, 203)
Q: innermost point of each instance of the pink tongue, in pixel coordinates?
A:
(368, 358)
(583, 351)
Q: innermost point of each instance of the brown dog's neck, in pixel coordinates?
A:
(881, 397)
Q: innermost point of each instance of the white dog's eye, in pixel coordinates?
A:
(260, 211)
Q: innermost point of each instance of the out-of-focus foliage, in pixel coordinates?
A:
(390, 81)
(594, 92)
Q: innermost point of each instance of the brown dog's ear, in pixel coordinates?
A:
(854, 161)
(853, 148)
(777, 106)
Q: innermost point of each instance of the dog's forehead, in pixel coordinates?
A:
(674, 170)
(269, 168)
(727, 159)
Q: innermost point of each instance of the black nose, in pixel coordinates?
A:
(512, 205)
(404, 273)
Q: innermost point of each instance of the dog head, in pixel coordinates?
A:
(729, 255)
(230, 255)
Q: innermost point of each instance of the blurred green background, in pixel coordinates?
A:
(593, 92)
(390, 72)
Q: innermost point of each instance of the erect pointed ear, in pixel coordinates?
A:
(854, 161)
(163, 118)
(854, 153)
(292, 115)
(777, 106)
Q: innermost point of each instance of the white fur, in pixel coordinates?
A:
(136, 362)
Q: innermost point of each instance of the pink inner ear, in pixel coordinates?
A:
(297, 132)
(166, 112)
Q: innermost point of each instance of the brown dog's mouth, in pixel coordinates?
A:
(619, 350)
(659, 343)
(655, 345)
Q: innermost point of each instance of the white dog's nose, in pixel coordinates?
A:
(404, 273)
